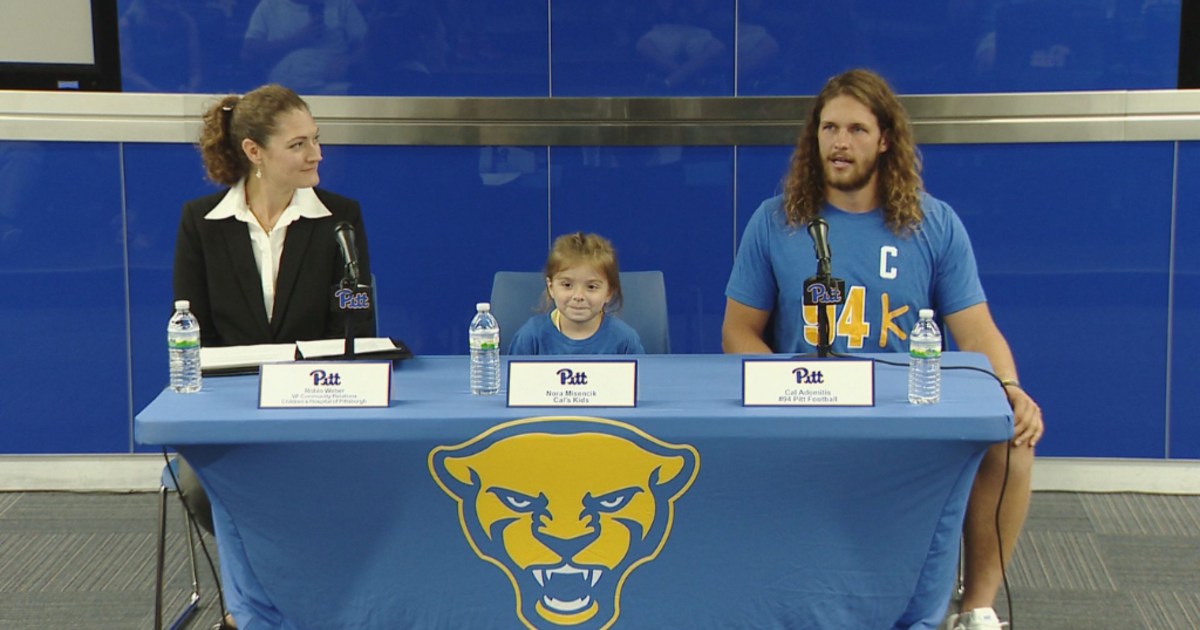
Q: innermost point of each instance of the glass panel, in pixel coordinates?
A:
(663, 208)
(62, 357)
(159, 178)
(355, 47)
(442, 221)
(1185, 342)
(787, 47)
(647, 48)
(1073, 245)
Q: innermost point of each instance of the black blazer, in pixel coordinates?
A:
(215, 270)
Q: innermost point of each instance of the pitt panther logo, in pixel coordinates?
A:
(567, 508)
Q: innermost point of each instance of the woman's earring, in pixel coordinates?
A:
(258, 173)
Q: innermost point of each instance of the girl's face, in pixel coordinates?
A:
(580, 293)
(291, 156)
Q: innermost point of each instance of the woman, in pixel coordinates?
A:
(258, 260)
(231, 262)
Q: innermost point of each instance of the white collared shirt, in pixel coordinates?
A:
(268, 246)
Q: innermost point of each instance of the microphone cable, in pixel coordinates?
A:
(1003, 484)
(199, 536)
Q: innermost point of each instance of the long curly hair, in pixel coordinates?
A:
(899, 182)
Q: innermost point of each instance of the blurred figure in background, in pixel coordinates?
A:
(306, 45)
(680, 49)
(160, 48)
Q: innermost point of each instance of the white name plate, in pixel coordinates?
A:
(298, 384)
(808, 383)
(572, 383)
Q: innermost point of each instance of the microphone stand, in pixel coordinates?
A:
(825, 277)
(350, 281)
(822, 291)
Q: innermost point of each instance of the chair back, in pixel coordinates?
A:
(516, 296)
(645, 309)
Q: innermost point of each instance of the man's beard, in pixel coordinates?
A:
(852, 185)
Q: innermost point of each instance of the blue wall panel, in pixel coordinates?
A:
(1185, 347)
(666, 47)
(373, 47)
(159, 178)
(788, 47)
(62, 275)
(1056, 255)
(441, 221)
(1072, 242)
(760, 173)
(664, 208)
(654, 48)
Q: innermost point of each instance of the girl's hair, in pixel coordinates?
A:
(235, 118)
(571, 250)
(899, 167)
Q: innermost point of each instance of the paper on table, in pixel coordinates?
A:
(337, 347)
(237, 356)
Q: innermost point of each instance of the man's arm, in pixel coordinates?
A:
(975, 331)
(742, 330)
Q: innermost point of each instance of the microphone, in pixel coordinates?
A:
(343, 233)
(818, 229)
(823, 290)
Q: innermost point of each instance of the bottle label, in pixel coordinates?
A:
(928, 353)
(183, 344)
(485, 343)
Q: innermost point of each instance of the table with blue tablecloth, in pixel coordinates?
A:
(690, 511)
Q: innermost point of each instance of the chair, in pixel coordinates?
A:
(516, 296)
(645, 309)
(168, 483)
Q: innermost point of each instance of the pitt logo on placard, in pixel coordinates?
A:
(805, 376)
(567, 507)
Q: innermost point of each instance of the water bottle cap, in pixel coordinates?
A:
(483, 306)
(182, 305)
(926, 313)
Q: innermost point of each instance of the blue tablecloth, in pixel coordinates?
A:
(447, 510)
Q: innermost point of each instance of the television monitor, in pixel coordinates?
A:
(59, 45)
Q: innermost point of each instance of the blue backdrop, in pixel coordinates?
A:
(1081, 254)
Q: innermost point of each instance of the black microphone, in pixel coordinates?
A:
(818, 229)
(822, 289)
(343, 233)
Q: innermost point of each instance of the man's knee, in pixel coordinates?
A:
(1017, 459)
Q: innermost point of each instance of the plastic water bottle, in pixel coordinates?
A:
(183, 348)
(485, 351)
(925, 361)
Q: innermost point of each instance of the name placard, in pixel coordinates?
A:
(572, 383)
(298, 384)
(808, 383)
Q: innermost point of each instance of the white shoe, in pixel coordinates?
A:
(978, 619)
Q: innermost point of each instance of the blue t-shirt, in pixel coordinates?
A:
(889, 278)
(540, 336)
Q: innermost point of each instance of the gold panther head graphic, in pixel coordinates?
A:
(567, 508)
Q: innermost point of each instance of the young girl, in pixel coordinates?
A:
(582, 279)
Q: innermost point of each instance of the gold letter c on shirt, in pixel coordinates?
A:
(886, 271)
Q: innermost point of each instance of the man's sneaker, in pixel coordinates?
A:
(978, 619)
